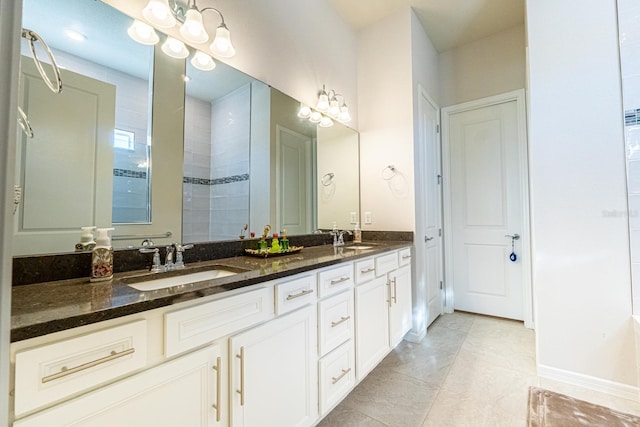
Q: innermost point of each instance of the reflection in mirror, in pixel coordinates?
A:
(88, 163)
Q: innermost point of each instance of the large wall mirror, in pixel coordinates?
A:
(152, 146)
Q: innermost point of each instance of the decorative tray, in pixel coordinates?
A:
(267, 254)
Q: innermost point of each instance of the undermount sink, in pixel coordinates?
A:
(358, 247)
(183, 279)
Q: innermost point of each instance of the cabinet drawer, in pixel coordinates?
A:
(54, 371)
(295, 293)
(386, 263)
(365, 270)
(404, 256)
(194, 326)
(335, 317)
(335, 279)
(337, 376)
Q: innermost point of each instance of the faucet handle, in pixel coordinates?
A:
(179, 264)
(157, 265)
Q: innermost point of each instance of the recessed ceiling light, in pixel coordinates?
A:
(74, 35)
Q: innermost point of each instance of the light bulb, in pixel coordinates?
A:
(326, 122)
(158, 13)
(203, 62)
(323, 102)
(221, 45)
(193, 29)
(344, 114)
(175, 48)
(334, 107)
(143, 33)
(304, 112)
(315, 117)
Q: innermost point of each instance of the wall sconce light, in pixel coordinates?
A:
(169, 13)
(330, 106)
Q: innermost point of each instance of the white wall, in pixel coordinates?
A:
(386, 122)
(486, 67)
(294, 46)
(581, 263)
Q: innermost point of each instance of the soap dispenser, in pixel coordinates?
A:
(275, 244)
(86, 240)
(357, 233)
(102, 257)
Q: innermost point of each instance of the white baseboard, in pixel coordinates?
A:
(593, 383)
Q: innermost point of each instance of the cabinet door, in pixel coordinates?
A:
(181, 392)
(372, 324)
(274, 374)
(400, 310)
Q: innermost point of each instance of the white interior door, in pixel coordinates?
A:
(293, 182)
(485, 204)
(432, 255)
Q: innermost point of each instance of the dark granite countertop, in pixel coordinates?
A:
(43, 308)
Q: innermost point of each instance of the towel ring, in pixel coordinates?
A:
(23, 121)
(32, 36)
(388, 172)
(327, 179)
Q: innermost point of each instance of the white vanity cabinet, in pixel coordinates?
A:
(180, 392)
(382, 305)
(274, 372)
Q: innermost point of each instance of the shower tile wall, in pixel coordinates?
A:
(629, 27)
(216, 170)
(131, 175)
(197, 170)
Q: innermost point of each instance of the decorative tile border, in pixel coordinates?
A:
(216, 181)
(127, 173)
(632, 117)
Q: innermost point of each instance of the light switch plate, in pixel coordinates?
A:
(367, 218)
(353, 217)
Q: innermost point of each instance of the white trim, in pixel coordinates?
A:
(593, 383)
(519, 97)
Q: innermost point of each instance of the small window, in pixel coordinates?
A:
(124, 139)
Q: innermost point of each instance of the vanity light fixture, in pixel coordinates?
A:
(202, 61)
(169, 13)
(330, 106)
(143, 33)
(175, 48)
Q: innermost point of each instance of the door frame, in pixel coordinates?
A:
(420, 297)
(519, 97)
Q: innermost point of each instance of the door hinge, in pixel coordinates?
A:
(441, 286)
(439, 232)
(437, 128)
(439, 179)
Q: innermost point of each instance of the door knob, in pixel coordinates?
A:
(513, 236)
(427, 239)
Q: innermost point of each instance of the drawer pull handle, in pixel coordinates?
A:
(241, 391)
(339, 377)
(66, 371)
(340, 280)
(342, 320)
(301, 294)
(390, 300)
(406, 256)
(367, 270)
(216, 406)
(395, 290)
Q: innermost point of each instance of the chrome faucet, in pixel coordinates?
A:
(174, 251)
(179, 251)
(157, 265)
(338, 237)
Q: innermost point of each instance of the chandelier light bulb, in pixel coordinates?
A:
(344, 114)
(175, 48)
(323, 102)
(304, 112)
(203, 62)
(158, 13)
(334, 107)
(326, 122)
(143, 33)
(315, 117)
(221, 45)
(193, 29)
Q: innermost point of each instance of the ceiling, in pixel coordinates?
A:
(448, 23)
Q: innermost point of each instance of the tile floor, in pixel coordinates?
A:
(470, 370)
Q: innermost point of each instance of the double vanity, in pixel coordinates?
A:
(268, 342)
